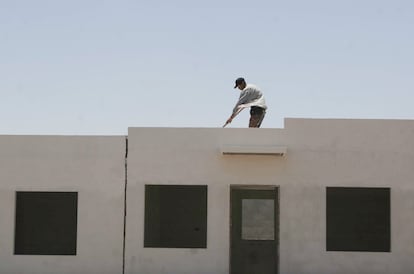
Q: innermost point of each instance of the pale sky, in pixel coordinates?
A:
(80, 67)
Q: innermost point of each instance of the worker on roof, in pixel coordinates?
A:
(250, 96)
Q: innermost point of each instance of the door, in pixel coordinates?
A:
(254, 230)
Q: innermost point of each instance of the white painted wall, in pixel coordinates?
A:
(353, 153)
(92, 166)
(321, 153)
(191, 156)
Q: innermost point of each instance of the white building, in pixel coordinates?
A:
(318, 196)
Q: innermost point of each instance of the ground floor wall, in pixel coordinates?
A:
(302, 237)
(159, 201)
(324, 157)
(61, 204)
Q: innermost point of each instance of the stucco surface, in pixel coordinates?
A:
(320, 153)
(91, 166)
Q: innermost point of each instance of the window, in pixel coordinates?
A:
(358, 219)
(176, 216)
(46, 223)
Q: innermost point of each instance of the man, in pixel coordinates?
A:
(250, 96)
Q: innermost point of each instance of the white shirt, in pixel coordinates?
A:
(250, 96)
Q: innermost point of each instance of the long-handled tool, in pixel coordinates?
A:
(235, 114)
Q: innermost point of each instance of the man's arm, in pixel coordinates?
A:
(234, 114)
(242, 99)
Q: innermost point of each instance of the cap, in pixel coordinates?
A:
(239, 81)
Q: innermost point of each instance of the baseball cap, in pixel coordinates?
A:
(239, 81)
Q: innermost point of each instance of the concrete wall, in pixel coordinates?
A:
(354, 153)
(93, 167)
(192, 156)
(321, 153)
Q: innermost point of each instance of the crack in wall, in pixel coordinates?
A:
(125, 202)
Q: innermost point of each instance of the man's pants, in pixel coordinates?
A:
(256, 116)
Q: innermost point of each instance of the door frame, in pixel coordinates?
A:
(277, 220)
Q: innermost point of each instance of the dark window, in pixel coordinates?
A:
(176, 216)
(46, 223)
(358, 219)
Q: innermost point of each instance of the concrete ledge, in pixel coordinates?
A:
(253, 150)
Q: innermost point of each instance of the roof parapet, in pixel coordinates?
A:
(253, 150)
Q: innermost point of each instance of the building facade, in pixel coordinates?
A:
(318, 196)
